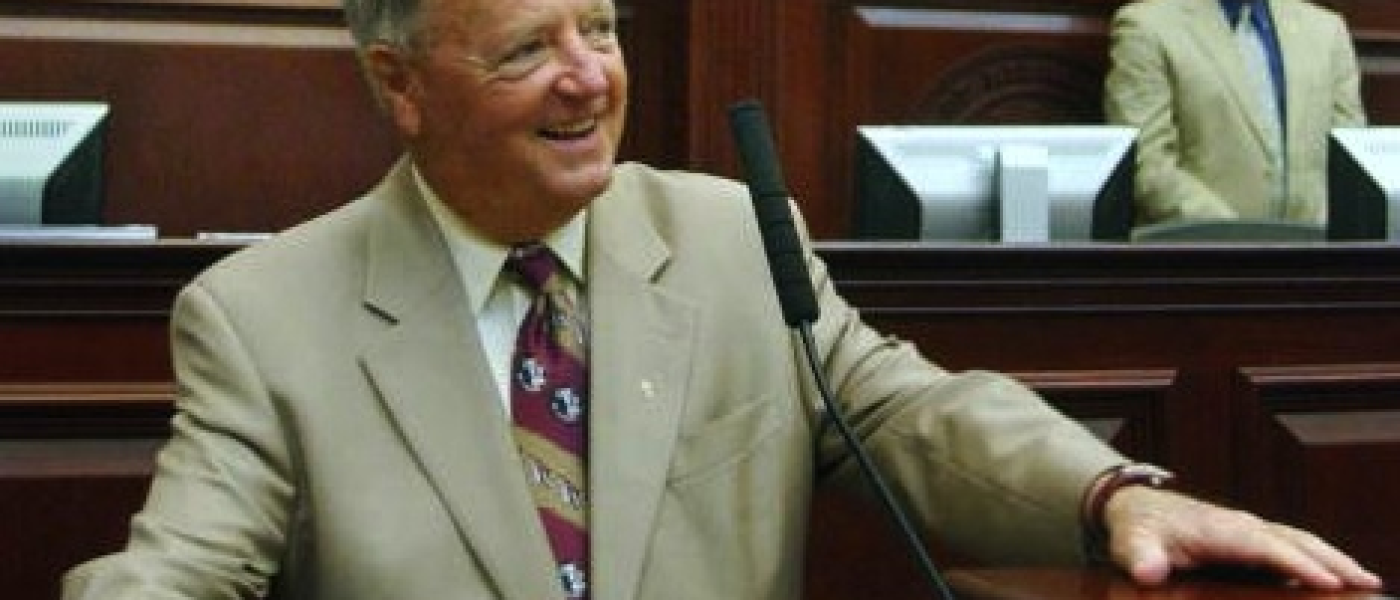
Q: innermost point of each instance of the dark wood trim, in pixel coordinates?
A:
(1267, 376)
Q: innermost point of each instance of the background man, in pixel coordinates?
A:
(1233, 100)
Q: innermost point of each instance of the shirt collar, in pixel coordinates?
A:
(480, 260)
(1232, 9)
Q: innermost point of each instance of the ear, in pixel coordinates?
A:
(396, 84)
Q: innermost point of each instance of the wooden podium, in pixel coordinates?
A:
(1100, 584)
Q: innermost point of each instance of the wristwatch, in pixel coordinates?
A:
(1105, 485)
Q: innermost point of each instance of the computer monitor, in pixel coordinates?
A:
(995, 183)
(1363, 183)
(51, 169)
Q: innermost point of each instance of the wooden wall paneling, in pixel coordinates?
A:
(917, 61)
(733, 55)
(1380, 80)
(932, 66)
(658, 109)
(855, 551)
(802, 100)
(80, 349)
(1204, 319)
(796, 58)
(778, 52)
(321, 5)
(251, 13)
(944, 66)
(85, 396)
(1124, 408)
(1145, 344)
(1318, 446)
(75, 460)
(213, 127)
(254, 116)
(1361, 14)
(92, 312)
(1200, 314)
(775, 51)
(1181, 421)
(1375, 29)
(226, 108)
(54, 523)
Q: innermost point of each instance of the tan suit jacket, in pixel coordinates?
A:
(339, 437)
(1177, 74)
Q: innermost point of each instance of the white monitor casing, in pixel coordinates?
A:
(50, 162)
(999, 183)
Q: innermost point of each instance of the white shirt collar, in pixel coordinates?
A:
(479, 260)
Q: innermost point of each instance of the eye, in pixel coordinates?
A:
(521, 58)
(600, 31)
(523, 52)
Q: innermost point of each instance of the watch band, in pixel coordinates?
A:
(1105, 485)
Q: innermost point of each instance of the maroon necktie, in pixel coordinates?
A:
(549, 390)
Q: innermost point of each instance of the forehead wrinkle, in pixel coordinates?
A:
(533, 18)
(489, 26)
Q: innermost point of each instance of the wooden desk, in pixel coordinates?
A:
(1268, 377)
(1069, 584)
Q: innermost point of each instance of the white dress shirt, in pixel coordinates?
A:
(497, 302)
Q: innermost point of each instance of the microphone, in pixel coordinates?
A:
(770, 203)
(798, 301)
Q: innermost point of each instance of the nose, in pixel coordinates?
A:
(585, 69)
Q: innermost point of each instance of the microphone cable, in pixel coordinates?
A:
(797, 299)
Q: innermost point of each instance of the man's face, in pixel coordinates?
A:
(513, 109)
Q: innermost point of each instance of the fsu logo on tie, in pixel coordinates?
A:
(573, 579)
(566, 405)
(530, 375)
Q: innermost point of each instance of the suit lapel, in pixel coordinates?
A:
(1294, 43)
(643, 341)
(1206, 23)
(435, 387)
(429, 369)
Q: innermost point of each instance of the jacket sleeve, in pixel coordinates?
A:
(214, 520)
(1347, 107)
(981, 461)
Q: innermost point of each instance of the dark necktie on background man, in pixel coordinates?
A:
(1259, 48)
(1255, 14)
(549, 405)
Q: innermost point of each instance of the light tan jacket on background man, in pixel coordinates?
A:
(1177, 73)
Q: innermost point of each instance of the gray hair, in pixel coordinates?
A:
(395, 22)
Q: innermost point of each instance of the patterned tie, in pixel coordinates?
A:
(549, 403)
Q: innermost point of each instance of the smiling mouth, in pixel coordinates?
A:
(570, 131)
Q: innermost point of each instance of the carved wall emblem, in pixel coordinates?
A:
(1016, 84)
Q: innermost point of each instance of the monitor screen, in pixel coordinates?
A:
(1363, 183)
(51, 162)
(995, 183)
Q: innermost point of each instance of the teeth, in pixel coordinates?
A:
(574, 128)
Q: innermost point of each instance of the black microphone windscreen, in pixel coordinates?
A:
(783, 246)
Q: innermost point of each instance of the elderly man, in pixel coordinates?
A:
(516, 369)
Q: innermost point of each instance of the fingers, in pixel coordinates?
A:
(1144, 558)
(1239, 538)
(1349, 573)
(1155, 533)
(1137, 522)
(1276, 547)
